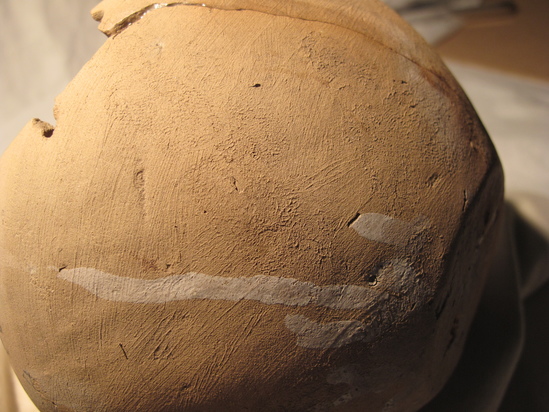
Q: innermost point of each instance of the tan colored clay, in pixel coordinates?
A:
(247, 205)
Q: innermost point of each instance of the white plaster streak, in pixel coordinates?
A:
(270, 290)
(382, 228)
(316, 335)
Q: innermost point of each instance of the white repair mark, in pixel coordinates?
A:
(270, 290)
(315, 335)
(385, 229)
(397, 274)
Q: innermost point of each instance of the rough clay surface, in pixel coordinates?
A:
(247, 206)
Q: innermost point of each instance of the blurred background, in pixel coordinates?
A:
(497, 49)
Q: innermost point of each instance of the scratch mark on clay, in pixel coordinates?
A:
(385, 229)
(123, 350)
(316, 335)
